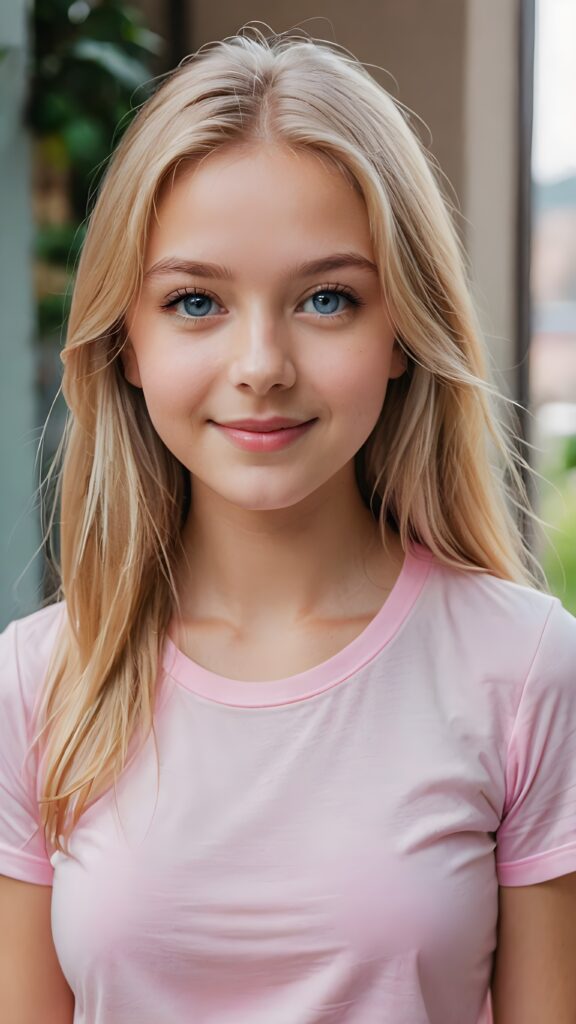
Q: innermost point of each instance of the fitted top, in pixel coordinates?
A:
(324, 848)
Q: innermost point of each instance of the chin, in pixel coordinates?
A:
(265, 502)
(272, 505)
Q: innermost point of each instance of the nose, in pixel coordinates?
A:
(262, 358)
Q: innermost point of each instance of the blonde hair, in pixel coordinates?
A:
(426, 469)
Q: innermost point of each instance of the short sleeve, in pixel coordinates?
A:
(536, 839)
(23, 852)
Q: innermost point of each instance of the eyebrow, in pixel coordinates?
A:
(336, 261)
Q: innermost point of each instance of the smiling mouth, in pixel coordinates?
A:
(254, 428)
(263, 440)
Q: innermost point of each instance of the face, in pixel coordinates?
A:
(268, 338)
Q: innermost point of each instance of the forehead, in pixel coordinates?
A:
(264, 194)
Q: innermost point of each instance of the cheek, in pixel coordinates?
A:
(356, 386)
(173, 390)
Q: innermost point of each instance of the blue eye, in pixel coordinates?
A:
(196, 301)
(193, 301)
(326, 298)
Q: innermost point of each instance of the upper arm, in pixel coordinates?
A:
(533, 980)
(32, 985)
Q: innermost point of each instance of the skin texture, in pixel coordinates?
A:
(32, 985)
(276, 542)
(534, 981)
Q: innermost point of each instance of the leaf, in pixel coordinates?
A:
(53, 312)
(59, 244)
(127, 71)
(145, 39)
(85, 140)
(51, 110)
(570, 452)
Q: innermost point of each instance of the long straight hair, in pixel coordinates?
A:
(440, 466)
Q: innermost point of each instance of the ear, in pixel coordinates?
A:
(130, 364)
(399, 361)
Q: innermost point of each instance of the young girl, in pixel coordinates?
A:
(298, 745)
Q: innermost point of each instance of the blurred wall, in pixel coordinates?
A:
(19, 532)
(490, 192)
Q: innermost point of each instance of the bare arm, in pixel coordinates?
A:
(32, 985)
(534, 976)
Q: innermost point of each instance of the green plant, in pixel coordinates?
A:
(558, 508)
(92, 68)
(570, 452)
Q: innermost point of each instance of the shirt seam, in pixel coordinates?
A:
(537, 856)
(336, 682)
(515, 723)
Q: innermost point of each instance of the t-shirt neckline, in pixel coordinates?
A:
(202, 681)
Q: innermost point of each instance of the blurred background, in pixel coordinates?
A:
(493, 85)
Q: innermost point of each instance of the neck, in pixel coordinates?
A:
(289, 565)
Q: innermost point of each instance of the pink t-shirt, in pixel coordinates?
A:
(324, 848)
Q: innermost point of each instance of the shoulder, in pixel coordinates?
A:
(487, 605)
(498, 628)
(26, 646)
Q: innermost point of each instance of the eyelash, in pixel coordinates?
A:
(337, 289)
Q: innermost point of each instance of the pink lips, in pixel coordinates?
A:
(264, 441)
